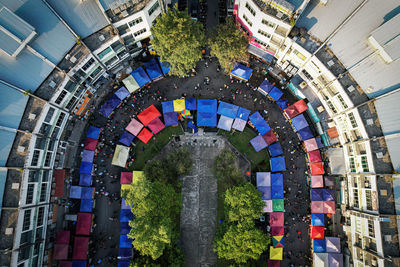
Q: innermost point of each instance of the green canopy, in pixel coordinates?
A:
(277, 205)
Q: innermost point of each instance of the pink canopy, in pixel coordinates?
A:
(317, 181)
(80, 248)
(126, 177)
(268, 206)
(314, 156)
(62, 237)
(274, 263)
(134, 127)
(90, 144)
(156, 125)
(145, 135)
(301, 106)
(317, 168)
(60, 251)
(149, 114)
(277, 230)
(276, 219)
(311, 144)
(317, 207)
(83, 223)
(329, 207)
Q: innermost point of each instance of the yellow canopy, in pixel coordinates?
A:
(125, 186)
(179, 105)
(130, 84)
(121, 155)
(137, 176)
(275, 253)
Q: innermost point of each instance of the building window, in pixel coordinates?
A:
(364, 164)
(355, 198)
(352, 165)
(29, 194)
(299, 55)
(264, 33)
(368, 198)
(352, 120)
(40, 216)
(140, 32)
(95, 72)
(88, 64)
(35, 158)
(331, 106)
(116, 46)
(247, 20)
(71, 103)
(123, 29)
(358, 225)
(371, 228)
(135, 21)
(26, 224)
(49, 115)
(249, 8)
(33, 176)
(43, 192)
(60, 97)
(269, 24)
(342, 102)
(307, 75)
(60, 119)
(111, 61)
(260, 42)
(154, 8)
(104, 52)
(47, 159)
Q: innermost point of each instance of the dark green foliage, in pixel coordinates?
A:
(225, 170)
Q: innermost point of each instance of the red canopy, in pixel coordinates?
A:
(83, 223)
(126, 177)
(91, 144)
(80, 248)
(65, 264)
(270, 137)
(277, 230)
(329, 207)
(317, 168)
(314, 156)
(60, 251)
(62, 237)
(301, 106)
(145, 135)
(276, 219)
(59, 176)
(148, 114)
(156, 125)
(317, 232)
(291, 111)
(274, 263)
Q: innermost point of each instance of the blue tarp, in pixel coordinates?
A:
(306, 133)
(205, 105)
(87, 156)
(259, 122)
(167, 106)
(328, 194)
(152, 69)
(243, 114)
(125, 242)
(126, 216)
(190, 104)
(85, 179)
(114, 101)
(79, 263)
(124, 206)
(277, 192)
(242, 72)
(275, 149)
(140, 76)
(299, 122)
(275, 93)
(122, 93)
(87, 192)
(75, 192)
(125, 252)
(206, 119)
(124, 263)
(265, 192)
(86, 205)
(125, 228)
(164, 66)
(225, 123)
(258, 143)
(93, 132)
(316, 194)
(126, 138)
(319, 245)
(276, 179)
(266, 86)
(108, 107)
(86, 167)
(318, 219)
(282, 103)
(227, 109)
(278, 164)
(170, 119)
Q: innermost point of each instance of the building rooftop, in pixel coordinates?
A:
(119, 9)
(97, 39)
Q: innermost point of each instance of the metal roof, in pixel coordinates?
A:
(6, 142)
(3, 179)
(12, 106)
(388, 37)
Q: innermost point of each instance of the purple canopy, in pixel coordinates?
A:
(258, 143)
(122, 93)
(265, 192)
(126, 138)
(335, 260)
(333, 244)
(316, 194)
(170, 119)
(328, 194)
(87, 156)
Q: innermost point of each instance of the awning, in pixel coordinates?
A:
(93, 132)
(260, 53)
(258, 121)
(167, 106)
(276, 219)
(227, 109)
(145, 136)
(241, 72)
(265, 192)
(126, 177)
(317, 232)
(170, 119)
(225, 123)
(319, 245)
(275, 253)
(83, 223)
(62, 237)
(156, 125)
(126, 138)
(270, 137)
(263, 178)
(275, 149)
(60, 252)
(80, 248)
(239, 124)
(59, 176)
(278, 164)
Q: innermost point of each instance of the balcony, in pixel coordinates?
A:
(281, 31)
(126, 9)
(267, 9)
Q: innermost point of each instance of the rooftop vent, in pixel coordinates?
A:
(15, 186)
(351, 88)
(32, 116)
(21, 149)
(102, 38)
(52, 84)
(9, 231)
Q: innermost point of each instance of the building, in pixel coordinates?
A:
(53, 57)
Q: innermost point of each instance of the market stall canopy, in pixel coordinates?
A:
(319, 245)
(93, 132)
(125, 241)
(314, 156)
(278, 164)
(275, 150)
(332, 244)
(130, 84)
(329, 181)
(275, 93)
(83, 224)
(317, 206)
(85, 179)
(274, 263)
(335, 260)
(145, 136)
(137, 176)
(277, 230)
(321, 259)
(316, 194)
(134, 127)
(86, 167)
(265, 192)
(75, 192)
(164, 66)
(266, 86)
(121, 155)
(276, 179)
(276, 219)
(125, 228)
(60, 252)
(206, 119)
(318, 219)
(270, 137)
(125, 252)
(86, 205)
(239, 124)
(311, 144)
(77, 263)
(207, 106)
(316, 168)
(179, 105)
(329, 207)
(87, 192)
(225, 123)
(122, 93)
(152, 69)
(317, 181)
(80, 248)
(140, 76)
(87, 155)
(227, 109)
(276, 192)
(263, 178)
(258, 143)
(90, 144)
(170, 119)
(126, 177)
(267, 206)
(278, 241)
(149, 114)
(243, 114)
(65, 263)
(59, 175)
(297, 108)
(124, 205)
(299, 122)
(125, 216)
(241, 72)
(328, 194)
(167, 106)
(126, 138)
(275, 253)
(191, 103)
(306, 133)
(156, 125)
(258, 121)
(282, 103)
(63, 237)
(317, 232)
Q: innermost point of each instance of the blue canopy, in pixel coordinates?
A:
(277, 192)
(243, 114)
(124, 263)
(259, 122)
(86, 167)
(125, 252)
(258, 143)
(299, 122)
(85, 179)
(282, 103)
(225, 123)
(125, 228)
(170, 119)
(319, 245)
(316, 194)
(126, 138)
(278, 164)
(75, 192)
(266, 86)
(87, 155)
(108, 107)
(152, 69)
(140, 76)
(328, 194)
(93, 132)
(306, 133)
(206, 119)
(318, 219)
(87, 192)
(265, 192)
(242, 72)
(276, 179)
(205, 105)
(86, 205)
(124, 206)
(319, 142)
(275, 93)
(167, 106)
(122, 93)
(164, 66)
(114, 101)
(125, 241)
(190, 104)
(126, 216)
(227, 109)
(76, 263)
(275, 149)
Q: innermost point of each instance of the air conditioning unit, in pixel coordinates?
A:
(303, 84)
(379, 155)
(351, 88)
(15, 186)
(9, 231)
(52, 84)
(323, 2)
(72, 59)
(32, 116)
(124, 13)
(102, 38)
(21, 149)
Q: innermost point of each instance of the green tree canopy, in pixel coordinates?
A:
(228, 44)
(243, 204)
(178, 39)
(225, 170)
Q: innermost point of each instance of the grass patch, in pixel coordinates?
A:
(144, 152)
(241, 141)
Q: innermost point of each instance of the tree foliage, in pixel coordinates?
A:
(225, 170)
(178, 39)
(228, 44)
(172, 257)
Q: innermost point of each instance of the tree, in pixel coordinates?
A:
(228, 44)
(240, 243)
(225, 170)
(243, 204)
(178, 39)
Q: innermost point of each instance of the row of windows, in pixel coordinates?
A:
(268, 23)
(264, 33)
(88, 64)
(154, 8)
(247, 20)
(140, 32)
(252, 11)
(135, 21)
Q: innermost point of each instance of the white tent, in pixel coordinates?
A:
(121, 155)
